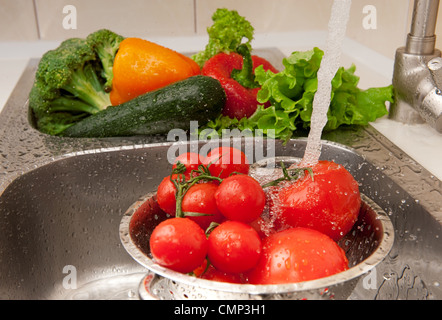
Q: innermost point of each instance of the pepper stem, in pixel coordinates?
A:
(245, 76)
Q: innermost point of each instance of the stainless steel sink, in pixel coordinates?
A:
(61, 202)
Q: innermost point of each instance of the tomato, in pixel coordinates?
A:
(190, 160)
(267, 223)
(210, 273)
(295, 255)
(224, 161)
(330, 202)
(179, 244)
(215, 275)
(200, 198)
(240, 198)
(166, 193)
(234, 247)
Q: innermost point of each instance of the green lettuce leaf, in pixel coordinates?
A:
(227, 32)
(291, 94)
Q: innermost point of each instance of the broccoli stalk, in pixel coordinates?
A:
(106, 44)
(87, 92)
(72, 81)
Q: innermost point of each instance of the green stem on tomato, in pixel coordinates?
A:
(182, 185)
(245, 76)
(289, 175)
(212, 226)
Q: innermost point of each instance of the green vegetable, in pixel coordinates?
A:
(245, 76)
(105, 43)
(225, 35)
(73, 80)
(198, 98)
(291, 94)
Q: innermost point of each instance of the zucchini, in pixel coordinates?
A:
(198, 98)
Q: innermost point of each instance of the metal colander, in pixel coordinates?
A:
(366, 245)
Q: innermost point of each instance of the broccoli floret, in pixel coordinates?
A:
(70, 81)
(106, 44)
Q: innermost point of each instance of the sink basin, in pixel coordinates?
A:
(62, 200)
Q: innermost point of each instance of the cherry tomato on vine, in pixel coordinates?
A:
(200, 198)
(241, 198)
(295, 255)
(234, 247)
(179, 244)
(330, 202)
(190, 160)
(166, 194)
(224, 161)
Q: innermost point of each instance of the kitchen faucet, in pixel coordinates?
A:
(417, 76)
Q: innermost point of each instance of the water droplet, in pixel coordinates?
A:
(387, 276)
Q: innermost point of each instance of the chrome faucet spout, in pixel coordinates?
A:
(417, 77)
(422, 38)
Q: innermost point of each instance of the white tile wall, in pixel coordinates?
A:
(17, 20)
(24, 20)
(270, 15)
(138, 18)
(386, 31)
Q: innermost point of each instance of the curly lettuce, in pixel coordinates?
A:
(227, 32)
(291, 94)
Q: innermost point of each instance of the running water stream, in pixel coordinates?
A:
(337, 26)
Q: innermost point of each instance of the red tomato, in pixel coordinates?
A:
(234, 247)
(240, 198)
(190, 160)
(224, 161)
(215, 275)
(267, 223)
(166, 196)
(166, 193)
(329, 203)
(179, 244)
(200, 198)
(295, 255)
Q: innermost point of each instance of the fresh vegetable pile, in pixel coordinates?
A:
(77, 83)
(106, 85)
(284, 100)
(73, 81)
(227, 226)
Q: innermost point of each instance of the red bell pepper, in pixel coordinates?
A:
(236, 73)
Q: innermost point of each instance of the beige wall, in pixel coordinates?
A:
(25, 20)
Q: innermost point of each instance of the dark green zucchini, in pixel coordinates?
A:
(198, 98)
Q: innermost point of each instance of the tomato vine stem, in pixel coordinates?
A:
(182, 185)
(289, 175)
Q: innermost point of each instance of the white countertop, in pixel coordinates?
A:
(420, 142)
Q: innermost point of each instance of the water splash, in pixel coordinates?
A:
(337, 26)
